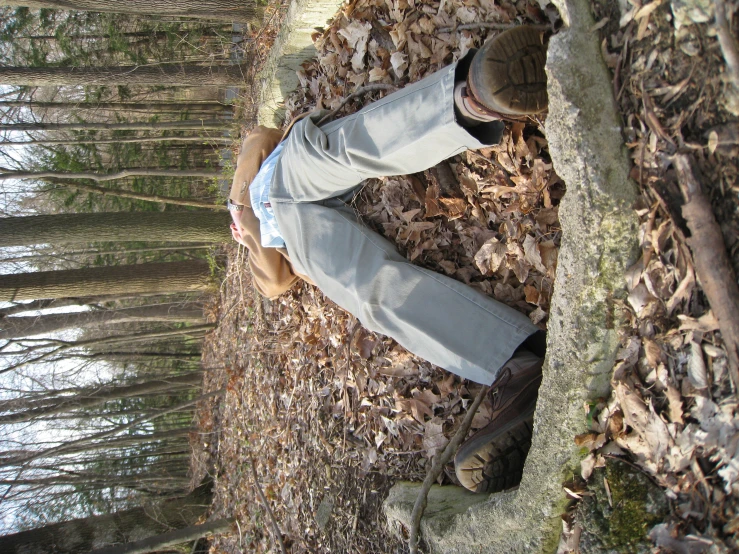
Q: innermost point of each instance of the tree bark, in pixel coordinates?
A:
(154, 107)
(64, 302)
(95, 398)
(84, 535)
(16, 327)
(127, 279)
(120, 193)
(74, 445)
(102, 177)
(146, 75)
(215, 10)
(92, 251)
(125, 441)
(137, 356)
(92, 140)
(172, 538)
(205, 124)
(115, 227)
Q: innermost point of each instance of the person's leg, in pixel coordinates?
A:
(408, 131)
(442, 320)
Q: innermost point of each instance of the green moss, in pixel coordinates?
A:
(621, 525)
(634, 511)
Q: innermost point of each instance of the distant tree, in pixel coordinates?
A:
(86, 398)
(143, 196)
(115, 227)
(144, 278)
(160, 75)
(129, 140)
(101, 177)
(245, 11)
(84, 535)
(157, 107)
(173, 538)
(205, 124)
(15, 327)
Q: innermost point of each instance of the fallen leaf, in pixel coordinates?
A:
(454, 207)
(532, 254)
(434, 440)
(377, 74)
(399, 62)
(433, 208)
(697, 367)
(490, 256)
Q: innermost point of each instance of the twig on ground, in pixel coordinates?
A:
(494, 26)
(359, 92)
(437, 467)
(711, 261)
(355, 328)
(263, 498)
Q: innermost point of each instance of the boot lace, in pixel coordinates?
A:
(498, 386)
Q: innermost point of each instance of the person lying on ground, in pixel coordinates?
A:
(290, 202)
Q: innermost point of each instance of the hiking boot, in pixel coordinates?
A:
(492, 459)
(506, 79)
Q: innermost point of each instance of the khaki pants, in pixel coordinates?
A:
(442, 320)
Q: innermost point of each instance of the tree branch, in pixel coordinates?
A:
(263, 498)
(437, 467)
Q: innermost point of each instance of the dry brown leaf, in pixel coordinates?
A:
(705, 323)
(490, 256)
(454, 208)
(434, 439)
(675, 404)
(548, 216)
(433, 207)
(653, 352)
(532, 294)
(697, 367)
(532, 254)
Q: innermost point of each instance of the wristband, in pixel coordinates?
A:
(234, 207)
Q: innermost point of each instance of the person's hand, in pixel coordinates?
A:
(237, 231)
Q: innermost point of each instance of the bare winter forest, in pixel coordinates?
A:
(152, 401)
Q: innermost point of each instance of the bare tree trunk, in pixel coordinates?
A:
(115, 227)
(205, 124)
(147, 75)
(83, 535)
(154, 107)
(120, 193)
(137, 356)
(64, 302)
(125, 441)
(16, 327)
(95, 398)
(216, 10)
(205, 141)
(74, 445)
(172, 538)
(92, 251)
(160, 278)
(101, 177)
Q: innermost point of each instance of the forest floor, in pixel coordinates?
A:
(331, 415)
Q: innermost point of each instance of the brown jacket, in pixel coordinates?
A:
(271, 269)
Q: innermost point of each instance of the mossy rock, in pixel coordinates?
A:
(622, 525)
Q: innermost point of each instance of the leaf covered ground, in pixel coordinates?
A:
(331, 415)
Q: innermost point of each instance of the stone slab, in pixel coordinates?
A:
(599, 243)
(292, 47)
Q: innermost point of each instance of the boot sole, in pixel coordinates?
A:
(507, 74)
(495, 463)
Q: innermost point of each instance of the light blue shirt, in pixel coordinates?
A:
(260, 204)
